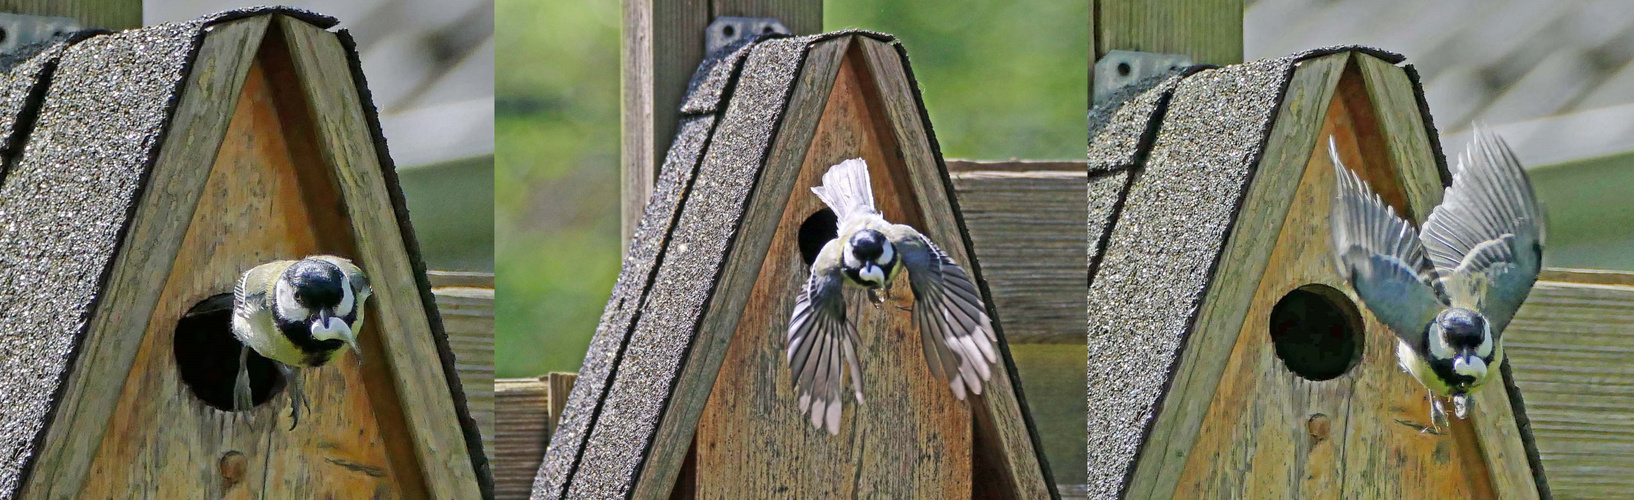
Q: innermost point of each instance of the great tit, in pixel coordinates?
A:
(1448, 291)
(870, 252)
(299, 314)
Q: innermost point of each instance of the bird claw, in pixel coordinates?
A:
(297, 395)
(1438, 415)
(874, 298)
(242, 399)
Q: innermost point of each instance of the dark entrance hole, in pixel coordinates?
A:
(815, 232)
(207, 356)
(1317, 332)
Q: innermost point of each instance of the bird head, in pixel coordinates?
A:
(869, 258)
(316, 293)
(1464, 338)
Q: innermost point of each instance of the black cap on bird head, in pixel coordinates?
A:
(323, 300)
(1462, 328)
(869, 258)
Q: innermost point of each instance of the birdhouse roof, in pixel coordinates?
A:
(82, 120)
(730, 120)
(1171, 159)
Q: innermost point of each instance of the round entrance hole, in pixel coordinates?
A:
(207, 356)
(815, 232)
(1317, 332)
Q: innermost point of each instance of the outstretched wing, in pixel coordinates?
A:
(1381, 257)
(819, 336)
(1486, 238)
(947, 309)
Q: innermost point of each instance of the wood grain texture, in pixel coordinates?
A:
(468, 319)
(560, 384)
(1005, 446)
(1273, 433)
(1395, 108)
(252, 209)
(676, 428)
(912, 437)
(1242, 263)
(1402, 136)
(91, 392)
(110, 14)
(344, 142)
(662, 44)
(460, 278)
(1568, 348)
(1210, 31)
(1026, 228)
(521, 418)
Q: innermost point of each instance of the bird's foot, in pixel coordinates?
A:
(1438, 415)
(874, 298)
(241, 385)
(297, 395)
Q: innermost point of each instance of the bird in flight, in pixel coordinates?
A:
(870, 252)
(1449, 290)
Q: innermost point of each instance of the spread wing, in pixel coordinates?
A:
(1486, 238)
(947, 309)
(819, 337)
(1381, 257)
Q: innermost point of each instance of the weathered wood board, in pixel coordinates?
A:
(1568, 348)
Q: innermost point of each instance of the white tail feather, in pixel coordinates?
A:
(846, 189)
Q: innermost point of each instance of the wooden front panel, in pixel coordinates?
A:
(911, 437)
(1270, 433)
(262, 201)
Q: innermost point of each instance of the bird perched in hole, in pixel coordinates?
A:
(870, 252)
(1448, 291)
(299, 313)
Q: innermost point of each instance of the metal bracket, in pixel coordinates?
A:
(726, 30)
(20, 30)
(1119, 68)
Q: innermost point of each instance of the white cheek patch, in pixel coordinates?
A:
(284, 300)
(1485, 349)
(1469, 366)
(1439, 348)
(332, 329)
(346, 301)
(888, 254)
(849, 257)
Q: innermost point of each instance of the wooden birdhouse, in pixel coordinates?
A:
(145, 170)
(1227, 356)
(685, 390)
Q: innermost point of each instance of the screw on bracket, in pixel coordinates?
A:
(726, 30)
(1120, 68)
(20, 30)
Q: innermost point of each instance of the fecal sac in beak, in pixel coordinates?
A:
(328, 327)
(1470, 365)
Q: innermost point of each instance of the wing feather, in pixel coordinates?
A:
(822, 343)
(1486, 238)
(1381, 257)
(949, 314)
